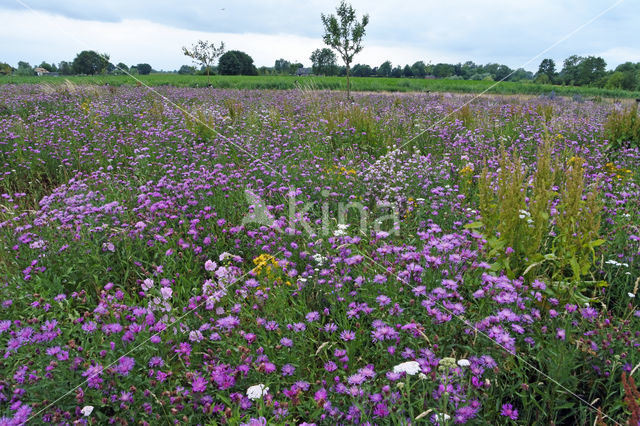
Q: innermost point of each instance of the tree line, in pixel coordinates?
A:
(576, 70)
(87, 62)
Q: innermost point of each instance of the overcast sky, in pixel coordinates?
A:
(511, 32)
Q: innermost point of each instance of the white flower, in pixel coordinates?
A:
(87, 410)
(318, 258)
(631, 295)
(442, 417)
(257, 391)
(464, 362)
(409, 367)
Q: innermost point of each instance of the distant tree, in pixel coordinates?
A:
(419, 69)
(384, 70)
(548, 67)
(144, 69)
(120, 68)
(235, 62)
(396, 72)
(65, 68)
(187, 70)
(615, 80)
(406, 71)
(281, 66)
(24, 69)
(542, 79)
(469, 68)
(204, 53)
(5, 69)
(46, 66)
(569, 73)
(344, 34)
(265, 70)
(294, 67)
(503, 72)
(521, 75)
(323, 62)
(90, 62)
(443, 70)
(631, 75)
(591, 70)
(360, 70)
(457, 70)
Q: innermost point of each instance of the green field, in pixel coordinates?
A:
(360, 84)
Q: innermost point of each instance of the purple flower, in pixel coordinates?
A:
(199, 384)
(509, 411)
(383, 333)
(125, 365)
(285, 341)
(589, 313)
(330, 366)
(288, 370)
(312, 316)
(156, 361)
(228, 323)
(347, 335)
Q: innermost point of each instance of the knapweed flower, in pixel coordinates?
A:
(199, 384)
(509, 411)
(257, 391)
(409, 367)
(125, 365)
(210, 266)
(147, 284)
(166, 292)
(347, 335)
(260, 421)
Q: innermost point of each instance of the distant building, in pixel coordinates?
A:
(40, 71)
(304, 72)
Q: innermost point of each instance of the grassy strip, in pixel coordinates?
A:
(363, 84)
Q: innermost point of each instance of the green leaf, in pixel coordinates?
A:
(474, 225)
(575, 267)
(596, 243)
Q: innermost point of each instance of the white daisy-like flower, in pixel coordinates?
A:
(409, 367)
(464, 362)
(631, 295)
(257, 391)
(442, 417)
(87, 410)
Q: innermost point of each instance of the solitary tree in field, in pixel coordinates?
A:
(204, 53)
(344, 33)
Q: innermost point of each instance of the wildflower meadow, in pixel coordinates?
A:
(216, 256)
